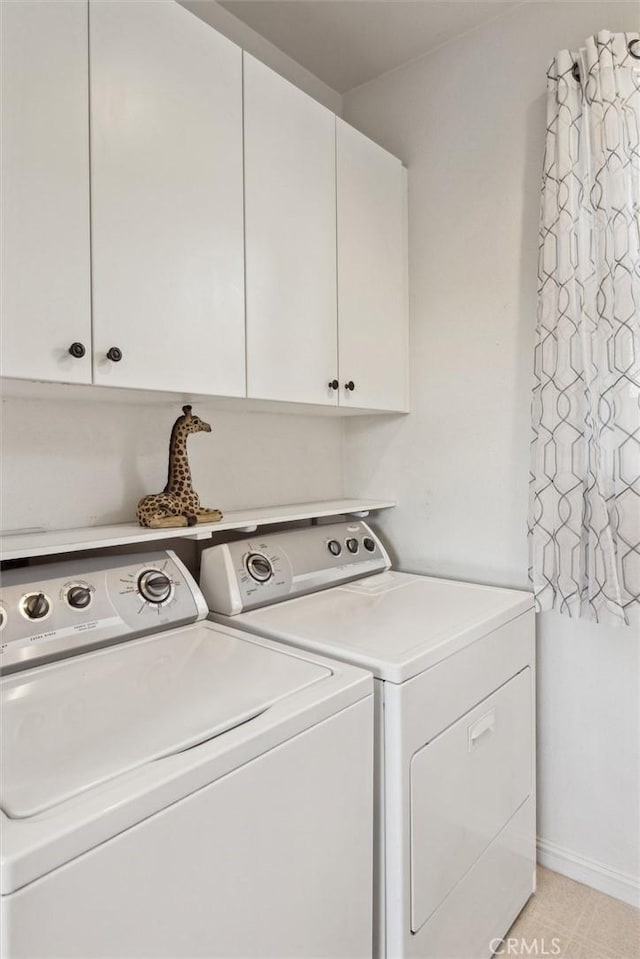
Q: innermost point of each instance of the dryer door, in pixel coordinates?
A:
(466, 784)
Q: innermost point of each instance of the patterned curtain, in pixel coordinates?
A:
(584, 514)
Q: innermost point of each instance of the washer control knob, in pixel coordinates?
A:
(3, 618)
(79, 596)
(35, 605)
(154, 586)
(368, 544)
(259, 567)
(352, 544)
(334, 547)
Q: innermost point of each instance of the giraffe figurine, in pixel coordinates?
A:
(178, 504)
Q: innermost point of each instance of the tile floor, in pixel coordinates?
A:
(575, 922)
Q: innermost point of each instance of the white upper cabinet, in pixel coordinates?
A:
(46, 306)
(290, 223)
(149, 189)
(167, 220)
(372, 274)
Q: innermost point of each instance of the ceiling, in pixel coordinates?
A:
(347, 42)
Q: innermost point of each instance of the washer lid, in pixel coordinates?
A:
(80, 722)
(394, 624)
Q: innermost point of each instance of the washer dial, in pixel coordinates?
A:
(78, 595)
(35, 606)
(259, 567)
(155, 586)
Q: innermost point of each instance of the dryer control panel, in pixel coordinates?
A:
(59, 609)
(236, 577)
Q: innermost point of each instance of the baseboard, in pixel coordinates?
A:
(618, 884)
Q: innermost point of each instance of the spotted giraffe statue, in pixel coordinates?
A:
(178, 504)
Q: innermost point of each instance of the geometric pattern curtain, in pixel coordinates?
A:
(584, 508)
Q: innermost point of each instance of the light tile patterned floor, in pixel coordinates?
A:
(575, 922)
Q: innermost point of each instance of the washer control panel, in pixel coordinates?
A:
(58, 609)
(236, 577)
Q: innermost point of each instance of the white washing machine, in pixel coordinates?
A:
(454, 693)
(186, 791)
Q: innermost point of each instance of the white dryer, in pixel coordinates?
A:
(189, 791)
(454, 693)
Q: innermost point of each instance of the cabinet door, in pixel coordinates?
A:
(46, 303)
(372, 273)
(166, 164)
(290, 240)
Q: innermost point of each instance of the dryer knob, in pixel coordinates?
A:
(154, 586)
(259, 567)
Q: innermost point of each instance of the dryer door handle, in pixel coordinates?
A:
(486, 724)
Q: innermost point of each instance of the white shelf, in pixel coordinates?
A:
(24, 545)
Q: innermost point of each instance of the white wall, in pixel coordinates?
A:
(469, 120)
(73, 462)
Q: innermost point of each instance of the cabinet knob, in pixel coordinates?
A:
(333, 384)
(77, 350)
(350, 386)
(114, 354)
